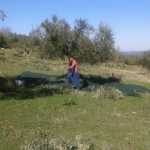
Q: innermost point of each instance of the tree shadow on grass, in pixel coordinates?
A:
(41, 85)
(131, 89)
(32, 88)
(126, 89)
(94, 80)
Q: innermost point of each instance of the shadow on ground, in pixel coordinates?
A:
(131, 89)
(34, 85)
(126, 89)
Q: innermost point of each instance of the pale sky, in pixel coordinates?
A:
(129, 19)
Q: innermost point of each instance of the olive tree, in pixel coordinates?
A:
(104, 43)
(57, 34)
(82, 45)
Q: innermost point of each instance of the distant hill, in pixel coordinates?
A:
(134, 53)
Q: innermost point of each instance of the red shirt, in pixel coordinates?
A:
(73, 65)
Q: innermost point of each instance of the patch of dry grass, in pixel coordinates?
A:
(50, 143)
(108, 93)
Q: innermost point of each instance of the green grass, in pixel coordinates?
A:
(119, 124)
(109, 124)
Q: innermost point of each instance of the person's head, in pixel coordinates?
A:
(71, 58)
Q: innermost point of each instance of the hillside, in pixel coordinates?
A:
(106, 115)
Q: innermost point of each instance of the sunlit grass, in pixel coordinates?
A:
(95, 116)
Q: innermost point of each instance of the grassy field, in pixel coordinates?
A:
(112, 117)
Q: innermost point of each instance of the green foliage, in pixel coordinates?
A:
(55, 38)
(104, 43)
(57, 34)
(3, 41)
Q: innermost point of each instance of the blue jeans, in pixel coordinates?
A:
(74, 79)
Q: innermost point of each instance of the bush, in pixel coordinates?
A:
(3, 41)
(146, 61)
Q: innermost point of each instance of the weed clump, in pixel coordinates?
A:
(70, 102)
(108, 93)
